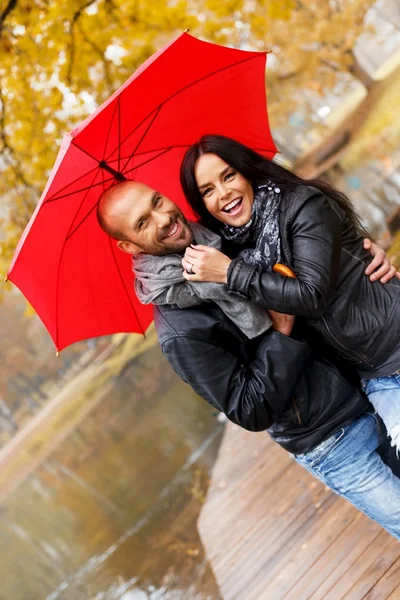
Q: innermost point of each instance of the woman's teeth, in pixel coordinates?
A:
(173, 230)
(229, 207)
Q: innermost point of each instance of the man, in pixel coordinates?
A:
(312, 406)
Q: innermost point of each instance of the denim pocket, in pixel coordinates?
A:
(322, 451)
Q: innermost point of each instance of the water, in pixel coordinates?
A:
(111, 512)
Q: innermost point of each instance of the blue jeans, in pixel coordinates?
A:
(384, 395)
(350, 464)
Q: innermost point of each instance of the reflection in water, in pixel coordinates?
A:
(111, 514)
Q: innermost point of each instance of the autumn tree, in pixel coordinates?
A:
(60, 60)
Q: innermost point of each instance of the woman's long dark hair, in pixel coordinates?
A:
(255, 168)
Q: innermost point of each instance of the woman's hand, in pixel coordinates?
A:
(202, 263)
(380, 267)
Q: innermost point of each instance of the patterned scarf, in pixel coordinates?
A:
(262, 231)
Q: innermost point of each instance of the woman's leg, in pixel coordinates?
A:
(384, 395)
(349, 463)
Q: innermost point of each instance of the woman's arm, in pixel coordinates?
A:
(315, 231)
(209, 264)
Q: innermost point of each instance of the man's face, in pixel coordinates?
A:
(151, 223)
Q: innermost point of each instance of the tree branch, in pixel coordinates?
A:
(100, 53)
(3, 16)
(73, 22)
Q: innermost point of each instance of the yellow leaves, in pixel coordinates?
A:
(280, 9)
(223, 9)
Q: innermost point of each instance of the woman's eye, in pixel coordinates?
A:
(230, 175)
(157, 201)
(207, 192)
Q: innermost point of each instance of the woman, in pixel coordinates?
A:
(272, 216)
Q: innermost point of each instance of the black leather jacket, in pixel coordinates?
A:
(356, 317)
(273, 382)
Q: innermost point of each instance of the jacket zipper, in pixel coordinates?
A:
(296, 410)
(343, 348)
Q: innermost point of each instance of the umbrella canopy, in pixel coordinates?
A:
(73, 274)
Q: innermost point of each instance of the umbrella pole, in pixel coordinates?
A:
(118, 176)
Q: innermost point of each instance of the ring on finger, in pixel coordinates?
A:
(189, 268)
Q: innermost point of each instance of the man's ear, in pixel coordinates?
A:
(128, 247)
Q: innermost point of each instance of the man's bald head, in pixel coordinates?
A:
(111, 206)
(142, 220)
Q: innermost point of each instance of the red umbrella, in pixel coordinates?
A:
(73, 274)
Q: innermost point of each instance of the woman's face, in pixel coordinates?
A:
(226, 194)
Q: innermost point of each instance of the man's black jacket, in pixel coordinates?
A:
(273, 382)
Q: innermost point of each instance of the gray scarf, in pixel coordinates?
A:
(262, 231)
(159, 280)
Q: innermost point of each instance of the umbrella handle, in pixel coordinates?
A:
(283, 270)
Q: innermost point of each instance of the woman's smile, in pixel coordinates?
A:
(233, 208)
(227, 195)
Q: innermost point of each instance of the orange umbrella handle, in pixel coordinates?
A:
(283, 270)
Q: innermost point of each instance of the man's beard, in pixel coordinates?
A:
(176, 247)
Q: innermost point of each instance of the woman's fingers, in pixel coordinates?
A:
(191, 254)
(190, 276)
(378, 260)
(384, 269)
(208, 264)
(387, 276)
(188, 265)
(198, 252)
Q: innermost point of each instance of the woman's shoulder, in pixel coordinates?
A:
(303, 193)
(307, 202)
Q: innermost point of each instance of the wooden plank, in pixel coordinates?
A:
(339, 587)
(272, 531)
(386, 584)
(381, 569)
(265, 536)
(301, 551)
(395, 595)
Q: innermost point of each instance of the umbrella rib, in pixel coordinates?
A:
(110, 126)
(56, 197)
(147, 161)
(157, 112)
(84, 189)
(119, 135)
(182, 90)
(124, 285)
(71, 233)
(59, 268)
(160, 149)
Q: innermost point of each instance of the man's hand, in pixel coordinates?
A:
(281, 322)
(381, 267)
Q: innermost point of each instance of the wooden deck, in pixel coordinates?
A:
(273, 532)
